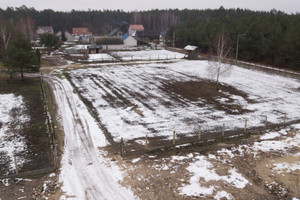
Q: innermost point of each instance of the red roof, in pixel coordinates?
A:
(81, 31)
(137, 27)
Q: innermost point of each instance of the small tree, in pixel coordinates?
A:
(49, 40)
(63, 37)
(19, 54)
(221, 49)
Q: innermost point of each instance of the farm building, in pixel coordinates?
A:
(129, 41)
(93, 49)
(109, 43)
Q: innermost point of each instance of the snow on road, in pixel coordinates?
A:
(83, 173)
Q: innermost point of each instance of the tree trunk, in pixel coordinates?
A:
(22, 74)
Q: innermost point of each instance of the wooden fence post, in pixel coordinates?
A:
(284, 118)
(54, 159)
(245, 125)
(122, 146)
(146, 144)
(16, 165)
(199, 133)
(174, 135)
(223, 129)
(266, 121)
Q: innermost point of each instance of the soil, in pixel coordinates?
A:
(148, 180)
(207, 90)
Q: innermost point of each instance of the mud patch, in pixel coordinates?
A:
(224, 99)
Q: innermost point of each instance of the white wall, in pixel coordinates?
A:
(113, 47)
(130, 42)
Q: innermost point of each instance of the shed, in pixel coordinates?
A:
(191, 52)
(95, 49)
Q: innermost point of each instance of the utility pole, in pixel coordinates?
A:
(237, 45)
(173, 38)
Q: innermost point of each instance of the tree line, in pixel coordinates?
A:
(269, 37)
(266, 37)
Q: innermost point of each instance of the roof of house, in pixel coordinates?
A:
(125, 36)
(47, 29)
(137, 27)
(80, 31)
(190, 48)
(113, 32)
(109, 41)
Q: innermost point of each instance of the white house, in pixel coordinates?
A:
(134, 28)
(129, 41)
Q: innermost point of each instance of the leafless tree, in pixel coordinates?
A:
(221, 50)
(27, 26)
(6, 33)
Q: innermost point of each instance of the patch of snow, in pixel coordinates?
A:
(286, 167)
(223, 194)
(270, 135)
(203, 169)
(136, 160)
(12, 114)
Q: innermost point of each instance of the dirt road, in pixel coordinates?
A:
(83, 174)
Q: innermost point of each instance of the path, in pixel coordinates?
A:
(83, 173)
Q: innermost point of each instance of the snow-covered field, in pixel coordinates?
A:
(100, 57)
(12, 118)
(148, 55)
(135, 100)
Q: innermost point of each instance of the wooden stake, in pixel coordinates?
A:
(146, 140)
(199, 133)
(174, 135)
(54, 159)
(223, 130)
(284, 118)
(16, 165)
(266, 121)
(122, 146)
(245, 125)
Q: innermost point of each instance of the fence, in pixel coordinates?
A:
(29, 165)
(36, 164)
(126, 148)
(268, 69)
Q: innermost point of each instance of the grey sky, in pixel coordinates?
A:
(288, 6)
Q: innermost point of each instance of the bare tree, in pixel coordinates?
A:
(221, 49)
(27, 26)
(6, 32)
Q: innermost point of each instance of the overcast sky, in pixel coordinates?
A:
(288, 6)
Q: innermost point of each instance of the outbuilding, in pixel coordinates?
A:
(191, 52)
